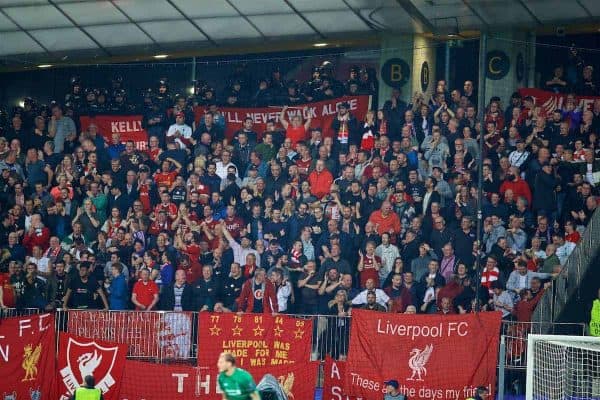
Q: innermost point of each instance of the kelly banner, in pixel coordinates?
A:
(431, 356)
(550, 101)
(27, 363)
(165, 335)
(79, 357)
(262, 344)
(128, 126)
(322, 114)
(333, 380)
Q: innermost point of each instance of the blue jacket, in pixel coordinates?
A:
(118, 299)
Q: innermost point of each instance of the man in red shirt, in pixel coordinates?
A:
(145, 292)
(258, 295)
(233, 223)
(519, 187)
(38, 235)
(295, 131)
(386, 220)
(167, 206)
(320, 180)
(7, 291)
(165, 176)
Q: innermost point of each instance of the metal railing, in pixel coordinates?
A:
(572, 276)
(515, 338)
(166, 336)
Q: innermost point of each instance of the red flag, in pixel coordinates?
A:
(550, 101)
(27, 363)
(431, 356)
(333, 380)
(79, 357)
(150, 381)
(262, 344)
(322, 114)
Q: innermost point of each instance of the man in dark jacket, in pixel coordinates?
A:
(205, 290)
(178, 296)
(544, 196)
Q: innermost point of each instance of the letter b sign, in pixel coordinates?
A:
(395, 72)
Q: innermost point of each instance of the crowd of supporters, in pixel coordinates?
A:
(380, 215)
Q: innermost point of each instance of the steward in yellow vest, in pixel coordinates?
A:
(595, 317)
(87, 391)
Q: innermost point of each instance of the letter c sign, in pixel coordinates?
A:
(395, 72)
(497, 65)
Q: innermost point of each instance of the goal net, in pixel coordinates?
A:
(563, 367)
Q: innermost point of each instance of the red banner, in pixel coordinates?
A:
(148, 334)
(27, 364)
(333, 380)
(262, 344)
(550, 101)
(128, 126)
(322, 114)
(79, 357)
(422, 352)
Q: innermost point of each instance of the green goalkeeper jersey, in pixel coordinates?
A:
(238, 386)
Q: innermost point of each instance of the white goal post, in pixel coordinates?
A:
(562, 367)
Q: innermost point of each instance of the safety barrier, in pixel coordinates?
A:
(515, 335)
(166, 337)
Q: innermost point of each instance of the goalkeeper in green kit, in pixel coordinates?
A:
(236, 383)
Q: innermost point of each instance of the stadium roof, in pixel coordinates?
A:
(51, 30)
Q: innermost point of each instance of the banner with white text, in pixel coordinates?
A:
(27, 363)
(322, 114)
(550, 101)
(165, 335)
(129, 127)
(431, 356)
(79, 357)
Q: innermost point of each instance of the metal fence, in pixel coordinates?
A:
(167, 337)
(515, 338)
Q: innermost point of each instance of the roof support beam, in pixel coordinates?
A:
(135, 23)
(587, 11)
(416, 15)
(245, 17)
(298, 13)
(191, 21)
(360, 16)
(25, 31)
(467, 3)
(531, 14)
(75, 24)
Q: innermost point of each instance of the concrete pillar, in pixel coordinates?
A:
(509, 62)
(395, 48)
(406, 52)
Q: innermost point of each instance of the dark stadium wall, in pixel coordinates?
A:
(52, 84)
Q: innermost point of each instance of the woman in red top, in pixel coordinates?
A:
(367, 141)
(295, 130)
(369, 265)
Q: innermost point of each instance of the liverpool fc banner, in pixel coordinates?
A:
(79, 357)
(27, 357)
(431, 356)
(129, 127)
(262, 344)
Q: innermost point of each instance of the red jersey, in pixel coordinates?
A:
(165, 178)
(170, 209)
(145, 292)
(369, 271)
(156, 227)
(8, 292)
(202, 190)
(193, 250)
(144, 193)
(304, 166)
(233, 226)
(295, 134)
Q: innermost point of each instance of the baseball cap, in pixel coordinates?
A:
(393, 383)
